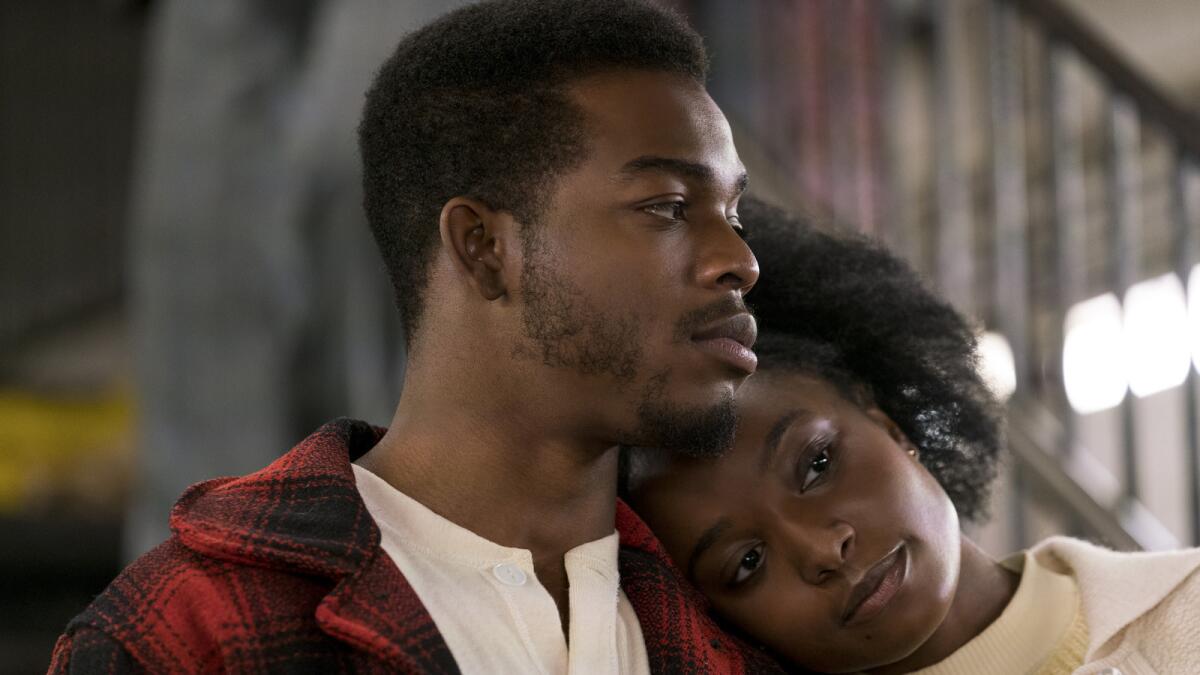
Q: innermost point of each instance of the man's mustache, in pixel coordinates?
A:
(693, 321)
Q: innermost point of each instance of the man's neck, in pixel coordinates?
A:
(513, 479)
(533, 496)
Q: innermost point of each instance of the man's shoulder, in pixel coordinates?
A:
(243, 576)
(176, 610)
(301, 512)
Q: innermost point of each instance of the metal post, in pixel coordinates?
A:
(865, 31)
(1011, 278)
(813, 94)
(1069, 216)
(955, 244)
(1185, 250)
(839, 114)
(901, 232)
(1018, 525)
(1124, 218)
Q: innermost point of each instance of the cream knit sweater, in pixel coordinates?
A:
(1142, 609)
(1040, 623)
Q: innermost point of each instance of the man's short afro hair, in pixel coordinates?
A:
(838, 306)
(473, 104)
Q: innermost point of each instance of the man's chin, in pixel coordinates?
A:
(692, 431)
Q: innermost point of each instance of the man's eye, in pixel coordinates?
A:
(668, 210)
(751, 562)
(817, 466)
(736, 224)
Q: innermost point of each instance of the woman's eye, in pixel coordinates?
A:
(668, 210)
(817, 466)
(750, 563)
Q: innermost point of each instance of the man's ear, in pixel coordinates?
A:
(478, 240)
(893, 430)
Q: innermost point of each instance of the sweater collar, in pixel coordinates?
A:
(1116, 588)
(1031, 629)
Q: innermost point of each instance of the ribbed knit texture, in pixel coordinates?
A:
(1041, 623)
(1071, 649)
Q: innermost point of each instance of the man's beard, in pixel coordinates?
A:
(692, 432)
(567, 330)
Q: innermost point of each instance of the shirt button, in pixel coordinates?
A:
(510, 575)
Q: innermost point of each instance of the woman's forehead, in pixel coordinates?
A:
(768, 406)
(782, 386)
(771, 407)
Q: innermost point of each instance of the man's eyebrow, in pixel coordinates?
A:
(682, 167)
(767, 454)
(705, 542)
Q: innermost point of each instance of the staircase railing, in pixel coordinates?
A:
(1131, 107)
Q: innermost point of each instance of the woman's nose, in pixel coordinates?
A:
(820, 553)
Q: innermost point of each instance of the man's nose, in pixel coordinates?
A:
(725, 261)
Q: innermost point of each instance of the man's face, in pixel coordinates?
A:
(633, 277)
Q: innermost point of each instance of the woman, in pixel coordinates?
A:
(830, 532)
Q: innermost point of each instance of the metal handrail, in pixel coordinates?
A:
(1132, 101)
(1085, 488)
(1063, 25)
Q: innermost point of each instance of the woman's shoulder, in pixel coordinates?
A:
(1154, 593)
(1148, 575)
(1070, 555)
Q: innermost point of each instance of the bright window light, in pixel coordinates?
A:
(1194, 313)
(1156, 335)
(996, 364)
(1094, 354)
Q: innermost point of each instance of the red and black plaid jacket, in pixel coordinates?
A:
(281, 571)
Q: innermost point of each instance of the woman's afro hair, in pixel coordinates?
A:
(839, 306)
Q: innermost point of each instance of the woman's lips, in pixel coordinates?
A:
(872, 594)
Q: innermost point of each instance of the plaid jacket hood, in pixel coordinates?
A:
(282, 571)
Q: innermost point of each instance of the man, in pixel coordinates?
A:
(555, 196)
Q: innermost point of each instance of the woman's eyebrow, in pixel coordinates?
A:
(771, 443)
(710, 537)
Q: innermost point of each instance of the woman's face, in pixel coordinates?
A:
(819, 534)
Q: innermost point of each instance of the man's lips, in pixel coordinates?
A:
(877, 587)
(731, 340)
